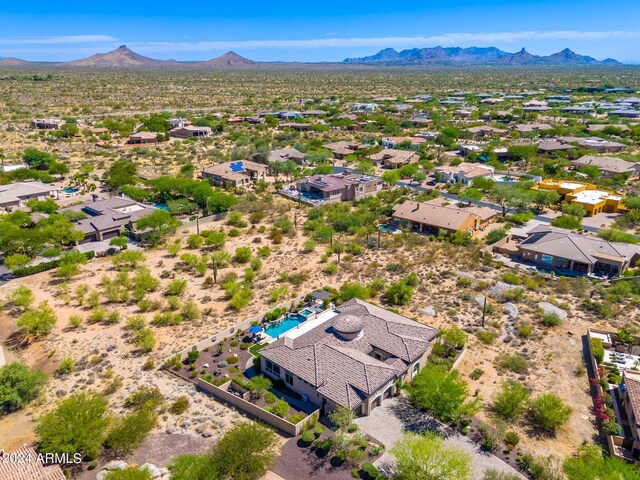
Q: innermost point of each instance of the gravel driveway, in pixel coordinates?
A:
(388, 422)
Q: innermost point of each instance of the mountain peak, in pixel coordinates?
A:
(120, 57)
(230, 59)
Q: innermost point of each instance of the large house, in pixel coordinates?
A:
(285, 154)
(109, 218)
(341, 187)
(191, 131)
(143, 138)
(463, 173)
(352, 356)
(486, 131)
(47, 123)
(392, 158)
(594, 143)
(437, 217)
(559, 248)
(393, 142)
(237, 174)
(608, 166)
(587, 195)
(16, 194)
(527, 128)
(343, 148)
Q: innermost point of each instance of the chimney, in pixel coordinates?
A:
(417, 207)
(288, 341)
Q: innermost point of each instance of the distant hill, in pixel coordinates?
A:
(229, 59)
(120, 57)
(12, 62)
(474, 56)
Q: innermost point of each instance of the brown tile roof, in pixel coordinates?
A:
(631, 381)
(607, 164)
(393, 155)
(343, 370)
(30, 468)
(450, 218)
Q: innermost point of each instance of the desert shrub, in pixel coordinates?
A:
(67, 365)
(510, 401)
(149, 398)
(179, 405)
(280, 408)
(551, 319)
(18, 386)
(485, 336)
(549, 412)
(176, 287)
(307, 437)
(597, 349)
(270, 398)
(130, 431)
(514, 362)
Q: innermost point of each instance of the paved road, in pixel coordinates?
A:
(388, 422)
(5, 275)
(482, 203)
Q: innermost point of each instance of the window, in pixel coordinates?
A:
(416, 369)
(548, 259)
(288, 378)
(272, 367)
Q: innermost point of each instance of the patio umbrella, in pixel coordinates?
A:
(255, 329)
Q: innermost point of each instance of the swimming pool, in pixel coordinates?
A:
(70, 190)
(508, 179)
(162, 206)
(389, 229)
(287, 323)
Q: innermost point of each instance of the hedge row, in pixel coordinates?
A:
(43, 267)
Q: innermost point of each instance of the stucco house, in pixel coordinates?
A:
(191, 131)
(352, 356)
(463, 173)
(393, 158)
(237, 174)
(16, 194)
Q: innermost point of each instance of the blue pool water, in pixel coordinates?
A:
(389, 228)
(508, 179)
(286, 324)
(70, 190)
(162, 206)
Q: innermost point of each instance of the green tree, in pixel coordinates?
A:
(471, 195)
(245, 452)
(157, 225)
(22, 297)
(18, 386)
(38, 159)
(351, 290)
(591, 464)
(258, 385)
(16, 261)
(341, 417)
(442, 393)
(398, 293)
(509, 198)
(542, 199)
(511, 401)
(425, 457)
(391, 177)
(121, 173)
(70, 264)
(39, 322)
(549, 412)
(77, 425)
(130, 431)
(121, 242)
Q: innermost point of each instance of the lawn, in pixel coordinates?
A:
(256, 348)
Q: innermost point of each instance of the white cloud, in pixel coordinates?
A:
(447, 39)
(59, 40)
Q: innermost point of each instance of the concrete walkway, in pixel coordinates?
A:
(388, 422)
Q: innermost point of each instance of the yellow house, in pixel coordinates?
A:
(587, 195)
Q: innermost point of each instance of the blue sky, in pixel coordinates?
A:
(328, 30)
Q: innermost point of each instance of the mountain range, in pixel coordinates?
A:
(125, 58)
(474, 56)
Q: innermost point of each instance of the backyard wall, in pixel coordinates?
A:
(244, 325)
(254, 410)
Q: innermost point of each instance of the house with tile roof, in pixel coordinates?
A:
(437, 218)
(237, 174)
(16, 194)
(559, 248)
(27, 466)
(463, 173)
(608, 166)
(393, 158)
(352, 356)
